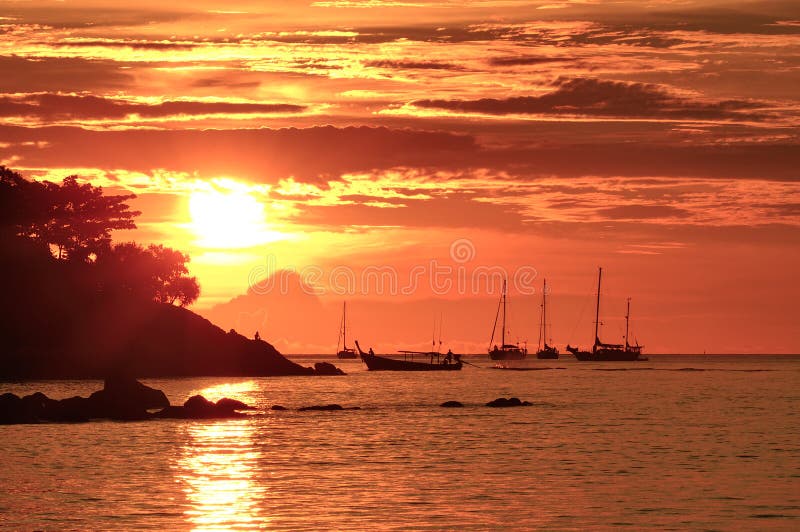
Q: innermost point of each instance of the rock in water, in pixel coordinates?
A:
(502, 402)
(198, 407)
(12, 410)
(233, 404)
(321, 407)
(278, 407)
(125, 398)
(451, 404)
(326, 368)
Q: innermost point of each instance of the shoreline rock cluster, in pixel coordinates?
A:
(500, 402)
(121, 399)
(126, 399)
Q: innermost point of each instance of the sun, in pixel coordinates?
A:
(228, 218)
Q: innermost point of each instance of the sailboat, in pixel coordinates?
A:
(345, 352)
(608, 352)
(547, 351)
(505, 351)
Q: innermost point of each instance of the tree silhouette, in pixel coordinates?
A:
(73, 222)
(154, 272)
(73, 219)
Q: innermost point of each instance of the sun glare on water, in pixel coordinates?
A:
(230, 217)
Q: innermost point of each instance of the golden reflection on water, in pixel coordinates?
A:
(218, 472)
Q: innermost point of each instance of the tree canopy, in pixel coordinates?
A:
(73, 221)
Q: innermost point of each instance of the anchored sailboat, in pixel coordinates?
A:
(505, 351)
(345, 352)
(546, 351)
(608, 352)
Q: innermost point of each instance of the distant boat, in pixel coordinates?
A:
(448, 362)
(505, 351)
(608, 352)
(547, 351)
(345, 352)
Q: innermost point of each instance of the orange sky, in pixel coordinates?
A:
(337, 138)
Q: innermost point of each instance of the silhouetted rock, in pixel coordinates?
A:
(120, 399)
(124, 398)
(502, 402)
(198, 407)
(73, 410)
(328, 407)
(321, 407)
(326, 368)
(233, 404)
(12, 410)
(451, 404)
(36, 401)
(99, 337)
(278, 407)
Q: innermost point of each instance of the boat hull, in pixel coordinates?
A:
(379, 363)
(547, 355)
(507, 354)
(608, 356)
(346, 354)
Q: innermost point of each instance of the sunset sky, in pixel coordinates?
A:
(658, 139)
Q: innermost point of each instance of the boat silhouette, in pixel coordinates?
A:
(602, 352)
(545, 352)
(344, 352)
(448, 362)
(504, 351)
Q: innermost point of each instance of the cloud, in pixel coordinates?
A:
(432, 65)
(61, 74)
(74, 17)
(595, 97)
(266, 155)
(319, 154)
(525, 60)
(54, 107)
(642, 212)
(136, 44)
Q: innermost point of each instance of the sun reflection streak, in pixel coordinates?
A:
(218, 472)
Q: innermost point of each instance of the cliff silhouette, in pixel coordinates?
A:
(75, 305)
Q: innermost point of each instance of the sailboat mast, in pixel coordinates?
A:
(627, 320)
(544, 311)
(597, 310)
(344, 325)
(433, 336)
(503, 337)
(441, 322)
(542, 330)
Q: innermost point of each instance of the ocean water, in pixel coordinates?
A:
(675, 443)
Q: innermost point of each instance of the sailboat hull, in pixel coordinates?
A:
(507, 354)
(607, 355)
(347, 353)
(547, 355)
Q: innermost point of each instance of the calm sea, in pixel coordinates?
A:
(682, 442)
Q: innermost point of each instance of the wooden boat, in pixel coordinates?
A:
(602, 352)
(504, 351)
(449, 362)
(344, 352)
(545, 352)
